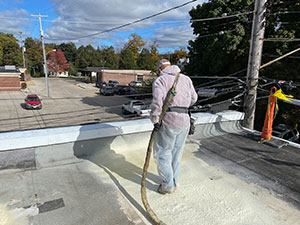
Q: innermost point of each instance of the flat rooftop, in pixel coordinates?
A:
(226, 178)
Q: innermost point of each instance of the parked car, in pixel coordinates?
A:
(283, 132)
(135, 83)
(136, 107)
(133, 93)
(107, 90)
(121, 89)
(113, 83)
(33, 102)
(100, 84)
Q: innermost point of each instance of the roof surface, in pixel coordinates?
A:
(225, 179)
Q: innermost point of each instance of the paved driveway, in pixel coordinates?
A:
(70, 103)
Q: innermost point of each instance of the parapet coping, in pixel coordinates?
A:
(59, 135)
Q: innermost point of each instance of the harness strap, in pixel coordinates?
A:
(178, 109)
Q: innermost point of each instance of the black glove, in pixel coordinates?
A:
(192, 126)
(157, 126)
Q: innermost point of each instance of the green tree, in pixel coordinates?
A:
(110, 58)
(69, 50)
(1, 54)
(34, 56)
(127, 60)
(11, 51)
(145, 61)
(87, 57)
(221, 46)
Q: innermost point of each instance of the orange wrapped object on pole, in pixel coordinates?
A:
(267, 129)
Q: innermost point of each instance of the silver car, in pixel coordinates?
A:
(107, 90)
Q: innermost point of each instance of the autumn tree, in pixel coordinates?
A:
(135, 45)
(57, 62)
(154, 55)
(178, 54)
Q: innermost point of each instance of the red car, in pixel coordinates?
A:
(33, 102)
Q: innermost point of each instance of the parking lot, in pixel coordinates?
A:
(70, 102)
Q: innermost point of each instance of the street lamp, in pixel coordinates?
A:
(53, 50)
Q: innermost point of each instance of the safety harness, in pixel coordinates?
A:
(178, 109)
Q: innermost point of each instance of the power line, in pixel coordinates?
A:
(128, 24)
(86, 22)
(220, 17)
(285, 12)
(280, 39)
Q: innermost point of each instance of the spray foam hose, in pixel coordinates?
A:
(166, 104)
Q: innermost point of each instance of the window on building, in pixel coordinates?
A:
(140, 77)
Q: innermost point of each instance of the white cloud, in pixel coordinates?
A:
(10, 23)
(114, 13)
(176, 36)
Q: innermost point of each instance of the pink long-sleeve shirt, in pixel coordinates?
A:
(185, 97)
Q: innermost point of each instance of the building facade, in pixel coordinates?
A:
(9, 78)
(124, 77)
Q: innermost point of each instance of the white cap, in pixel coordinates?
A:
(163, 62)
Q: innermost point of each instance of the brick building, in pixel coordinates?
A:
(124, 77)
(9, 78)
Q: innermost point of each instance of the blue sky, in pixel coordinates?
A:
(68, 20)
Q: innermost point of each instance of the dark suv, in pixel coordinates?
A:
(121, 89)
(113, 83)
(100, 84)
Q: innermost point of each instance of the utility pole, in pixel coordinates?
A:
(23, 50)
(254, 62)
(44, 52)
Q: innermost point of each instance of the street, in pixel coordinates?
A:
(70, 103)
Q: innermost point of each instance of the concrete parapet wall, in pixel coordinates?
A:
(35, 148)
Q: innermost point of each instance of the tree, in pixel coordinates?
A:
(85, 57)
(221, 46)
(145, 61)
(110, 58)
(178, 54)
(135, 45)
(11, 53)
(57, 62)
(34, 56)
(127, 60)
(1, 54)
(154, 54)
(69, 50)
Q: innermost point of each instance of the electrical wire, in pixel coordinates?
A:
(280, 39)
(220, 17)
(127, 24)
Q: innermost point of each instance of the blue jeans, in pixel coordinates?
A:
(167, 152)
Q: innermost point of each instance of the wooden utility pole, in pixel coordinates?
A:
(255, 53)
(44, 52)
